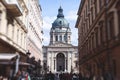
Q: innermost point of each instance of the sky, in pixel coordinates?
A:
(49, 14)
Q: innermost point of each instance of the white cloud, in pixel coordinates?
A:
(74, 37)
(46, 39)
(47, 21)
(72, 15)
(47, 24)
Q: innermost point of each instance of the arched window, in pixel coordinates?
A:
(60, 37)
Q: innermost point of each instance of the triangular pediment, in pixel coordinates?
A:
(60, 44)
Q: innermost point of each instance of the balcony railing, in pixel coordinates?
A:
(13, 7)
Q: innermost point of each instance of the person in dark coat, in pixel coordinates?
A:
(50, 76)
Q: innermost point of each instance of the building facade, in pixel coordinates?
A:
(13, 34)
(34, 37)
(99, 39)
(20, 35)
(34, 41)
(60, 55)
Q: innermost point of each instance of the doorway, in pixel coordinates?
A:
(60, 62)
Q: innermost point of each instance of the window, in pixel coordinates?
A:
(21, 38)
(45, 55)
(88, 45)
(64, 38)
(111, 26)
(95, 7)
(92, 40)
(60, 22)
(56, 38)
(88, 4)
(100, 4)
(91, 2)
(86, 10)
(92, 14)
(76, 63)
(119, 21)
(84, 16)
(24, 41)
(17, 35)
(107, 1)
(68, 37)
(96, 37)
(54, 64)
(60, 37)
(101, 31)
(89, 20)
(87, 27)
(13, 32)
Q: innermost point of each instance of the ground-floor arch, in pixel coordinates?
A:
(60, 61)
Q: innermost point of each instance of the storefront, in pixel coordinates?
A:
(10, 64)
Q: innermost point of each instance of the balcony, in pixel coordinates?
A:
(13, 7)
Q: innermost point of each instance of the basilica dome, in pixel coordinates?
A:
(60, 31)
(60, 21)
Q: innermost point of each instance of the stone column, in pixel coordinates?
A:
(69, 61)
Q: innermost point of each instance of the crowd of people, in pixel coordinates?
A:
(21, 74)
(61, 76)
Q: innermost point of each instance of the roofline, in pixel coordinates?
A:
(80, 7)
(79, 12)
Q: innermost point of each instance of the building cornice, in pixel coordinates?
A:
(81, 6)
(11, 43)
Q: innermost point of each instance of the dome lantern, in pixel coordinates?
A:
(60, 13)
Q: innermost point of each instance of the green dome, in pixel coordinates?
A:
(60, 22)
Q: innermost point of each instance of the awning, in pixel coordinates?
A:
(13, 63)
(5, 59)
(7, 56)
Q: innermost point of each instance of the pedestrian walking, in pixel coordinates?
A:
(75, 77)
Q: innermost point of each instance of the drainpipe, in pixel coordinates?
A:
(17, 63)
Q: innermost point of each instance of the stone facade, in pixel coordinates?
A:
(13, 33)
(99, 39)
(20, 32)
(60, 55)
(34, 41)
